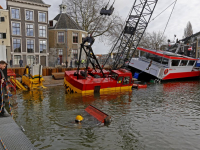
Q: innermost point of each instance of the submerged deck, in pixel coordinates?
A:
(12, 136)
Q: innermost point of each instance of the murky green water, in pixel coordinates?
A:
(163, 116)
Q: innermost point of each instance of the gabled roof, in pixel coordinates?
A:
(189, 37)
(35, 1)
(65, 22)
(1, 7)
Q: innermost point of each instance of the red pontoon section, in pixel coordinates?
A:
(98, 114)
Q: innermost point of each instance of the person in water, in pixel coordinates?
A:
(79, 119)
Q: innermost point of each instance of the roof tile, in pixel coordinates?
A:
(66, 22)
(35, 1)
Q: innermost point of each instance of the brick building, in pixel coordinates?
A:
(29, 35)
(65, 37)
(193, 42)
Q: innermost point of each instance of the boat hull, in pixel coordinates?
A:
(91, 85)
(162, 72)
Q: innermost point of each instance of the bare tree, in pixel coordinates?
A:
(86, 13)
(153, 40)
(188, 30)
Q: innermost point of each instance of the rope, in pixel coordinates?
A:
(1, 98)
(9, 101)
(4, 146)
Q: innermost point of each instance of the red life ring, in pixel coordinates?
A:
(166, 71)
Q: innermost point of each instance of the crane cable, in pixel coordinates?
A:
(161, 12)
(169, 19)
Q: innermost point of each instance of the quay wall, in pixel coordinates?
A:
(46, 71)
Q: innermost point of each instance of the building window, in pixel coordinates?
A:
(29, 15)
(83, 37)
(183, 62)
(30, 46)
(198, 42)
(43, 46)
(75, 37)
(30, 59)
(126, 80)
(51, 23)
(42, 31)
(15, 28)
(42, 17)
(2, 35)
(29, 30)
(75, 54)
(60, 52)
(17, 45)
(60, 37)
(16, 59)
(2, 19)
(175, 62)
(15, 13)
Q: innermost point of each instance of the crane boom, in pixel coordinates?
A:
(134, 28)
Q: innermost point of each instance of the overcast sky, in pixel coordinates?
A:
(184, 11)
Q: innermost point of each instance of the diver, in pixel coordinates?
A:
(79, 119)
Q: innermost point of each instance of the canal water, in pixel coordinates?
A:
(163, 116)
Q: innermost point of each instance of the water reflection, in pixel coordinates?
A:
(162, 116)
(33, 95)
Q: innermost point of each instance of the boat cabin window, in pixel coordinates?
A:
(191, 63)
(165, 61)
(126, 80)
(183, 62)
(114, 76)
(175, 62)
(119, 80)
(156, 58)
(153, 57)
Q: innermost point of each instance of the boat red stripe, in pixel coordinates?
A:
(182, 75)
(162, 55)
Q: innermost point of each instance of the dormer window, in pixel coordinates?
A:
(51, 23)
